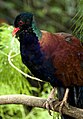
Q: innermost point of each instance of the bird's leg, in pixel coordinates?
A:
(64, 101)
(50, 100)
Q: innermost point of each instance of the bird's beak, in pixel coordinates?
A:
(15, 31)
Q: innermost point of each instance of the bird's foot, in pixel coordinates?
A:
(49, 104)
(61, 104)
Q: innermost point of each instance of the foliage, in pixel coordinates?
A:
(78, 31)
(8, 75)
(11, 82)
(51, 15)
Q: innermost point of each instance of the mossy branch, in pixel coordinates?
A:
(38, 102)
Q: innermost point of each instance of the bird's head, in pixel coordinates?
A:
(22, 22)
(25, 22)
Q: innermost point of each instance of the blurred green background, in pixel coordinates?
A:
(50, 15)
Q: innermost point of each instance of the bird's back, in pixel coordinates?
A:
(66, 54)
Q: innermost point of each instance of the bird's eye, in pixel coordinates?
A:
(20, 23)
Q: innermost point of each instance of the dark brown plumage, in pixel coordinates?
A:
(66, 53)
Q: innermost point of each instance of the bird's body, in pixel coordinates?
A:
(55, 58)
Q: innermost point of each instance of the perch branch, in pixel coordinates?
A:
(38, 102)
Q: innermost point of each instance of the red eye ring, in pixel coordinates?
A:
(20, 23)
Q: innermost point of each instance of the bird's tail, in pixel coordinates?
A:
(79, 93)
(75, 97)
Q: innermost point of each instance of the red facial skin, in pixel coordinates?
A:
(15, 31)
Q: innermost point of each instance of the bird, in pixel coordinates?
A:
(56, 58)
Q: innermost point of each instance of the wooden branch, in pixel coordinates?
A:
(38, 102)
